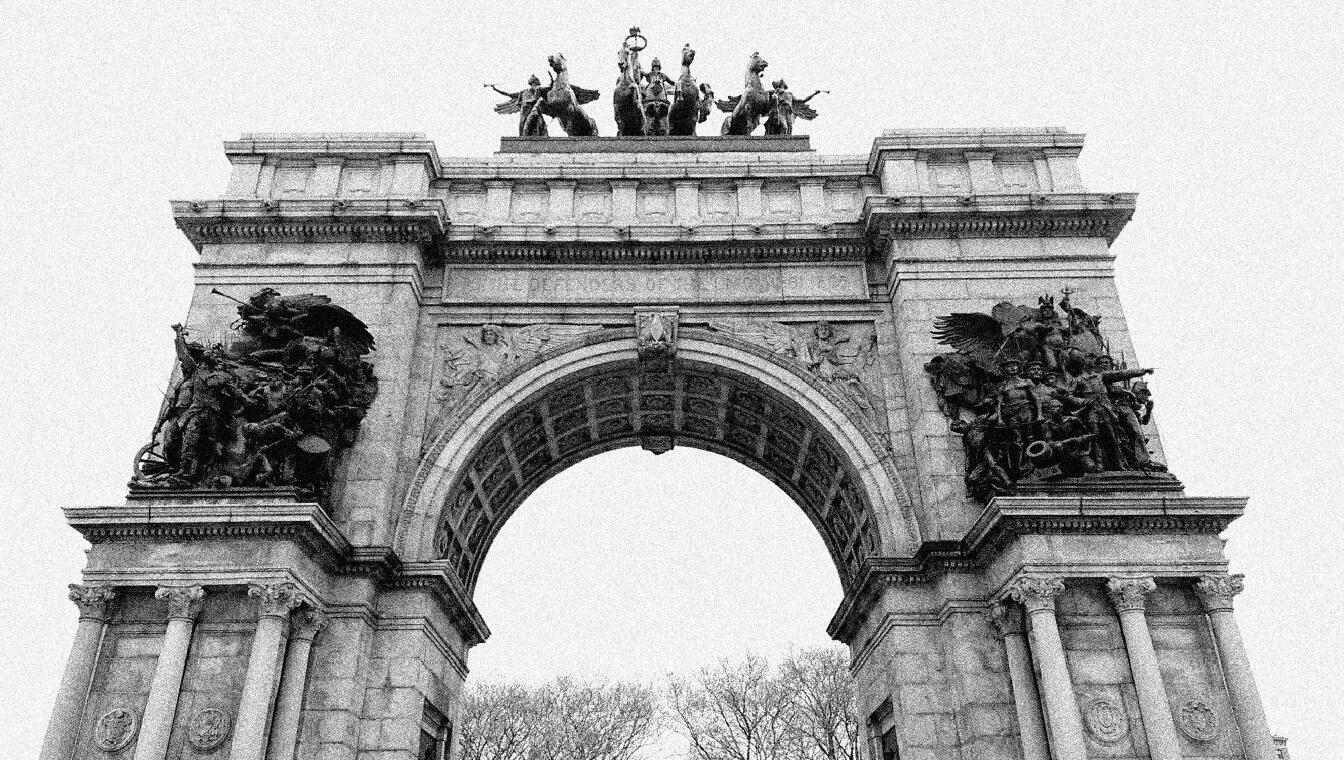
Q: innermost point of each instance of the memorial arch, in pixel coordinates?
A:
(923, 346)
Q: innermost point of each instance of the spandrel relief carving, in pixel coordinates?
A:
(272, 408)
(1036, 396)
(844, 356)
(473, 359)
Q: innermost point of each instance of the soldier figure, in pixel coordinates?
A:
(205, 404)
(1103, 419)
(1018, 407)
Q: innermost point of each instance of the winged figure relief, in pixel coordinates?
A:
(476, 361)
(841, 360)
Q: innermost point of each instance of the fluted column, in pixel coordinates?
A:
(289, 705)
(276, 601)
(94, 604)
(1007, 620)
(1127, 594)
(184, 604)
(1216, 592)
(1038, 596)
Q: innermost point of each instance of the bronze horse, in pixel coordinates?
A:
(746, 110)
(691, 104)
(563, 102)
(626, 99)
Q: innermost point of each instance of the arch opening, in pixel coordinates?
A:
(621, 404)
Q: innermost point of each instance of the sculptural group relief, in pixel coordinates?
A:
(652, 103)
(272, 408)
(1037, 396)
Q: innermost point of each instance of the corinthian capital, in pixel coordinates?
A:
(1216, 591)
(308, 623)
(1036, 593)
(1006, 618)
(276, 599)
(1127, 593)
(94, 602)
(184, 602)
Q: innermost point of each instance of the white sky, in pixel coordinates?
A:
(1226, 118)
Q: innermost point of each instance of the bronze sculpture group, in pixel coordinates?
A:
(1036, 396)
(273, 409)
(651, 103)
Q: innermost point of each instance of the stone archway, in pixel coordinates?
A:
(721, 395)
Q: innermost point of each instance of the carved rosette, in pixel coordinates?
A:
(275, 599)
(94, 602)
(114, 729)
(1197, 719)
(184, 602)
(208, 728)
(1127, 594)
(1105, 719)
(1216, 591)
(308, 623)
(1007, 620)
(1035, 593)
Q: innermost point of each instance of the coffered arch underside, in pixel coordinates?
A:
(720, 395)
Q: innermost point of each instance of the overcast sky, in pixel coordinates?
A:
(1225, 120)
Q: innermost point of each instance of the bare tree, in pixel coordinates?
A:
(595, 721)
(498, 722)
(733, 711)
(565, 719)
(822, 723)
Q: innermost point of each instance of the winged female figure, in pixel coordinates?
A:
(523, 103)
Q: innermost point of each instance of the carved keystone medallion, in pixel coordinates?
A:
(208, 728)
(1105, 719)
(1197, 719)
(115, 729)
(656, 334)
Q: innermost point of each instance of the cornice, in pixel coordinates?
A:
(1008, 517)
(311, 220)
(949, 140)
(680, 252)
(176, 516)
(1000, 215)
(437, 577)
(357, 145)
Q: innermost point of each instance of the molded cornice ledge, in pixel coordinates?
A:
(312, 220)
(1007, 517)
(438, 577)
(1002, 215)
(356, 145)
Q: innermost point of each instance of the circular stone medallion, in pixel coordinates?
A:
(115, 729)
(1105, 719)
(1197, 719)
(209, 728)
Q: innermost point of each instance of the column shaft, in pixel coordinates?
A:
(1241, 687)
(63, 729)
(1061, 706)
(1030, 722)
(1216, 593)
(263, 669)
(1128, 596)
(184, 604)
(293, 680)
